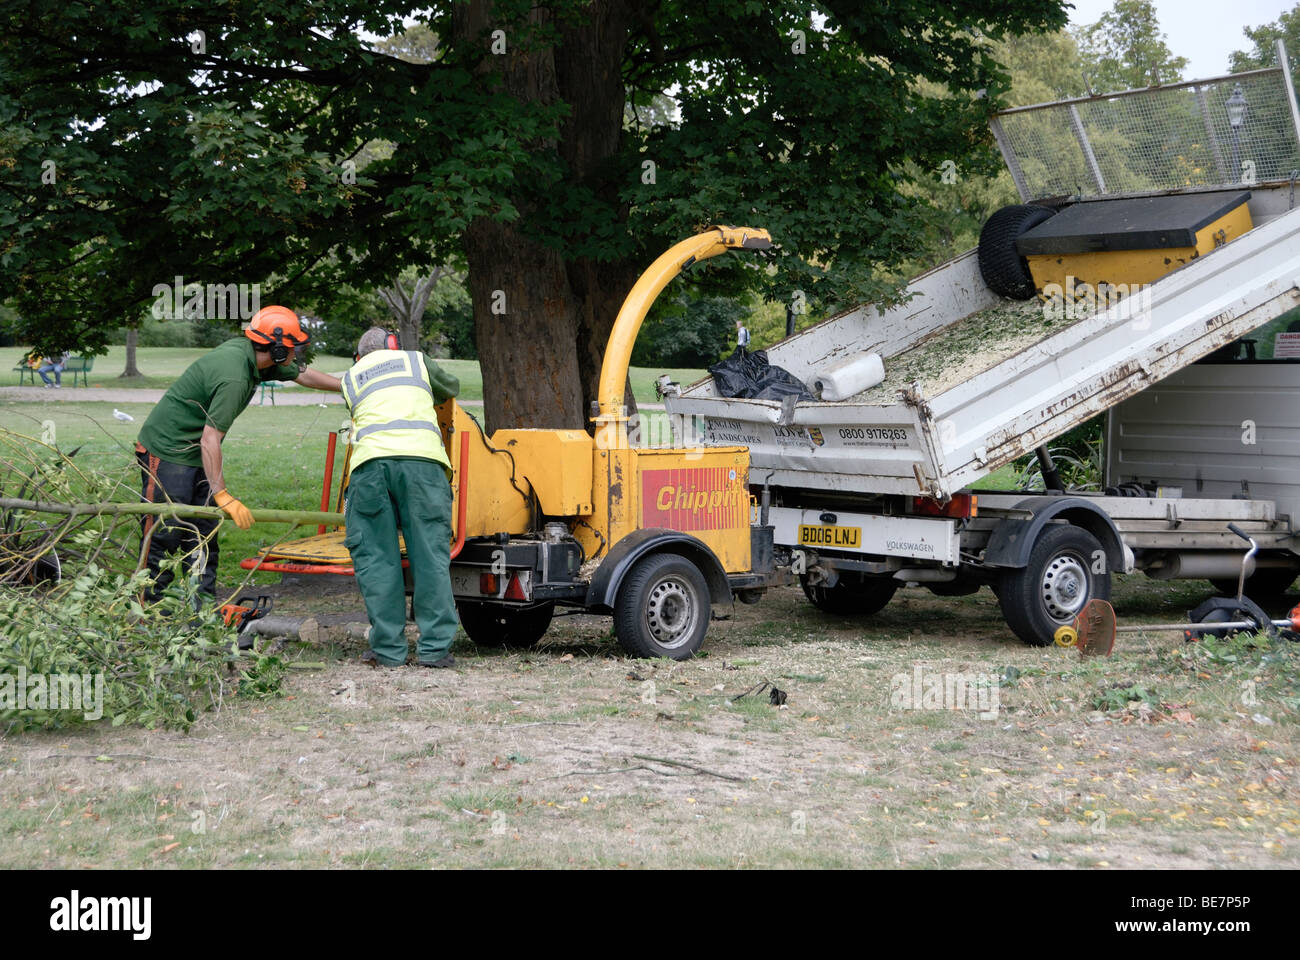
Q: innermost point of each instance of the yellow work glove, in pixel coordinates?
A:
(242, 516)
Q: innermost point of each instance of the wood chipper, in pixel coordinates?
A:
(654, 535)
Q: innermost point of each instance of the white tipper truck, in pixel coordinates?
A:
(1196, 372)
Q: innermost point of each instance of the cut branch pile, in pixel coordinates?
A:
(72, 600)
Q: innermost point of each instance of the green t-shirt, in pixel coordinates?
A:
(214, 390)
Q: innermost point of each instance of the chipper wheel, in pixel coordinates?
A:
(1004, 270)
(504, 625)
(662, 608)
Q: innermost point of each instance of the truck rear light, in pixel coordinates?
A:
(516, 589)
(487, 584)
(962, 506)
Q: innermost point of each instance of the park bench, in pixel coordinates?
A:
(24, 372)
(75, 366)
(82, 366)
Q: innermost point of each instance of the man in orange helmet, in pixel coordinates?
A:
(179, 447)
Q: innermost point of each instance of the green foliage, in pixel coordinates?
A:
(305, 157)
(1120, 696)
(156, 665)
(956, 199)
(152, 664)
(1263, 51)
(1078, 458)
(449, 320)
(1126, 49)
(687, 331)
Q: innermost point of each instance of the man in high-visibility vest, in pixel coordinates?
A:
(399, 478)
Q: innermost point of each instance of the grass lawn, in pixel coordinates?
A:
(274, 457)
(1167, 755)
(161, 366)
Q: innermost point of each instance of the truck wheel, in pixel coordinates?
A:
(500, 625)
(852, 596)
(1054, 586)
(1266, 584)
(662, 608)
(1004, 270)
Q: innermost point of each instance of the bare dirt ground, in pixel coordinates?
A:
(558, 756)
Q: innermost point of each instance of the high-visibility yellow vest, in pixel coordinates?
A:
(391, 402)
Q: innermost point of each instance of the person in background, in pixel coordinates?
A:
(742, 337)
(53, 364)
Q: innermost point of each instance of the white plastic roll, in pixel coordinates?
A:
(850, 376)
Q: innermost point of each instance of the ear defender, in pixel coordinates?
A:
(280, 351)
(391, 342)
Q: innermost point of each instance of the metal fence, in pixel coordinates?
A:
(1237, 129)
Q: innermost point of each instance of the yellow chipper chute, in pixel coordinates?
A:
(654, 535)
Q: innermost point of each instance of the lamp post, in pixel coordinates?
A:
(1237, 109)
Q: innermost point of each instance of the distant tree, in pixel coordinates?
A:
(1264, 38)
(688, 331)
(955, 200)
(406, 299)
(224, 142)
(1126, 49)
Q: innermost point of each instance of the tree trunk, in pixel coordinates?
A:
(589, 65)
(407, 306)
(132, 335)
(542, 322)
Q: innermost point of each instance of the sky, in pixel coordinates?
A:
(1203, 31)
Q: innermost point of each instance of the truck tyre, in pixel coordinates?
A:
(662, 608)
(1058, 580)
(1265, 584)
(852, 596)
(503, 625)
(1004, 270)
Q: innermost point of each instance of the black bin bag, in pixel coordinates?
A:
(748, 376)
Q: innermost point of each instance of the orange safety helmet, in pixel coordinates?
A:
(279, 329)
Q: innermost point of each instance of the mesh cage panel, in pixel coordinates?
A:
(1165, 138)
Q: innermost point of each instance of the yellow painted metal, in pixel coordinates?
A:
(703, 492)
(1128, 267)
(618, 352)
(603, 487)
(558, 465)
(499, 498)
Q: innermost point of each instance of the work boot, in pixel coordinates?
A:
(445, 663)
(370, 658)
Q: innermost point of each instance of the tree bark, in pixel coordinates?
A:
(589, 71)
(542, 322)
(132, 335)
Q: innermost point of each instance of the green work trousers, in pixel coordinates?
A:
(384, 494)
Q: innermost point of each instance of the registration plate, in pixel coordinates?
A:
(817, 535)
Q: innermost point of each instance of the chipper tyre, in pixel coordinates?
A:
(501, 625)
(851, 596)
(1004, 270)
(662, 608)
(1058, 581)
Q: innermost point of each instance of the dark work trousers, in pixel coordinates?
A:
(163, 482)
